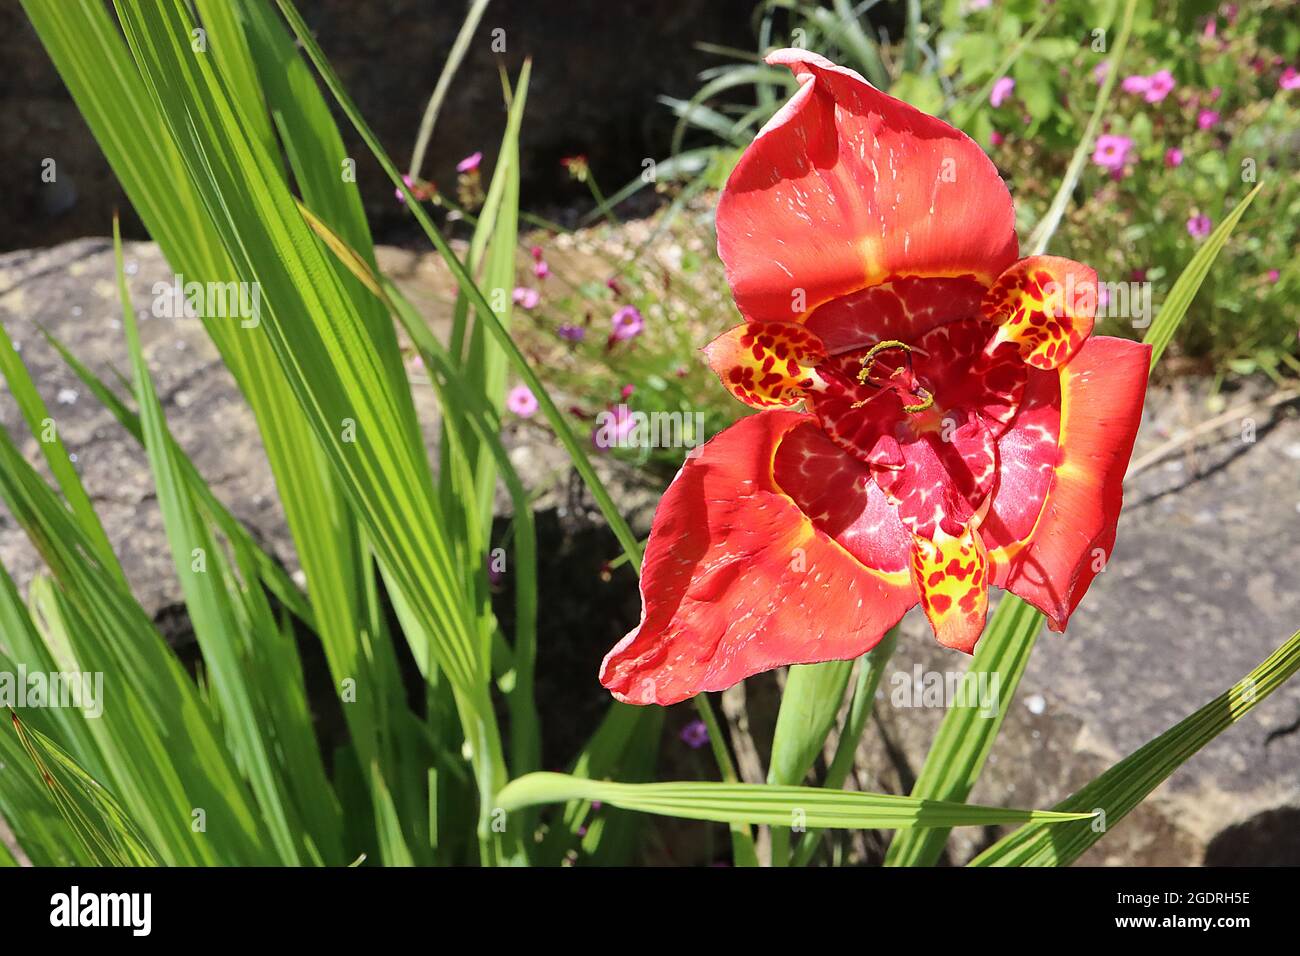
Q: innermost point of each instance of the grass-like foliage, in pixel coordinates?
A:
(217, 117)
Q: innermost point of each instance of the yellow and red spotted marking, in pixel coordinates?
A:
(767, 364)
(951, 575)
(1045, 305)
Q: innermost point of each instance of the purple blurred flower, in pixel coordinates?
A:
(541, 269)
(1100, 72)
(1274, 275)
(1159, 86)
(1198, 227)
(1001, 90)
(526, 298)
(695, 735)
(521, 401)
(571, 333)
(1173, 157)
(627, 323)
(1207, 118)
(1289, 80)
(1112, 151)
(469, 163)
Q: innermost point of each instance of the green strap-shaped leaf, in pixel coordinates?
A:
(764, 803)
(1125, 785)
(809, 703)
(968, 730)
(1189, 282)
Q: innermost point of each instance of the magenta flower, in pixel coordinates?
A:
(469, 163)
(541, 269)
(410, 184)
(521, 401)
(1112, 151)
(526, 298)
(1159, 85)
(1173, 157)
(571, 333)
(695, 735)
(1001, 90)
(1198, 227)
(613, 426)
(1274, 275)
(1207, 118)
(627, 323)
(1136, 84)
(1289, 80)
(626, 391)
(996, 138)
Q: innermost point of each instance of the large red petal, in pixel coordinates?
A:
(1102, 390)
(738, 579)
(847, 188)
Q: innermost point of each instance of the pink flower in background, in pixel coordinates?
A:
(1135, 84)
(521, 401)
(612, 285)
(1173, 157)
(571, 333)
(996, 138)
(1112, 151)
(410, 184)
(1289, 80)
(1207, 118)
(541, 269)
(1159, 86)
(1198, 227)
(469, 163)
(1001, 90)
(615, 424)
(1216, 93)
(526, 298)
(627, 323)
(1100, 72)
(626, 391)
(536, 253)
(1274, 275)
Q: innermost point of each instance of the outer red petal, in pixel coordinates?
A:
(1102, 390)
(846, 188)
(738, 579)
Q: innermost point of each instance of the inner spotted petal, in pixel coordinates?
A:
(951, 575)
(836, 491)
(939, 481)
(1045, 305)
(767, 364)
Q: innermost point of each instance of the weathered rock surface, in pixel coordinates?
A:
(1201, 588)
